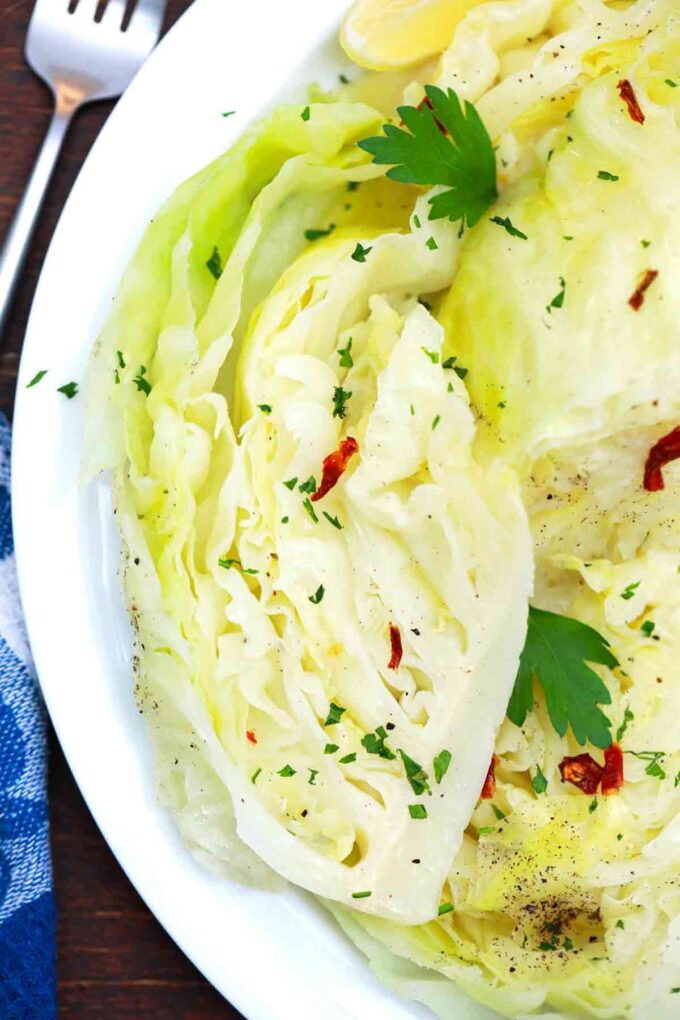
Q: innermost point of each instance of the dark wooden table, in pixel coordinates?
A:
(113, 958)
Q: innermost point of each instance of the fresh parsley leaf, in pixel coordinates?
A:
(120, 359)
(308, 486)
(345, 355)
(374, 743)
(444, 908)
(628, 717)
(265, 408)
(314, 235)
(36, 378)
(450, 362)
(432, 355)
(307, 504)
(629, 591)
(432, 244)
(593, 805)
(318, 595)
(539, 782)
(335, 713)
(305, 115)
(556, 652)
(647, 628)
(417, 811)
(313, 773)
(344, 80)
(486, 830)
(332, 520)
(415, 774)
(348, 759)
(558, 300)
(353, 185)
(143, 385)
(214, 263)
(70, 389)
(228, 564)
(441, 765)
(340, 398)
(604, 175)
(460, 372)
(360, 895)
(359, 254)
(286, 771)
(291, 483)
(463, 159)
(673, 85)
(645, 244)
(435, 421)
(254, 776)
(229, 113)
(654, 759)
(505, 221)
(330, 748)
(500, 815)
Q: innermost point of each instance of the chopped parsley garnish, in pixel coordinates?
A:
(348, 759)
(486, 830)
(343, 79)
(502, 404)
(345, 355)
(654, 759)
(500, 815)
(567, 944)
(374, 743)
(676, 781)
(432, 244)
(435, 421)
(308, 486)
(558, 300)
(313, 773)
(359, 254)
(556, 652)
(645, 244)
(286, 771)
(441, 765)
(567, 237)
(284, 520)
(228, 564)
(444, 908)
(70, 389)
(460, 372)
(360, 895)
(620, 924)
(254, 776)
(647, 628)
(449, 388)
(318, 595)
(417, 811)
(332, 520)
(291, 483)
(629, 591)
(506, 222)
(120, 359)
(593, 805)
(415, 774)
(353, 185)
(314, 235)
(673, 85)
(628, 717)
(604, 175)
(330, 748)
(214, 263)
(36, 378)
(416, 222)
(307, 504)
(229, 113)
(449, 362)
(462, 158)
(265, 408)
(539, 783)
(306, 113)
(335, 713)
(340, 398)
(432, 355)
(143, 385)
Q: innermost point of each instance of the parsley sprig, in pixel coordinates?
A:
(556, 652)
(463, 159)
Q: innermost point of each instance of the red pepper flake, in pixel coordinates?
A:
(638, 296)
(397, 651)
(251, 736)
(612, 778)
(663, 452)
(582, 771)
(489, 788)
(334, 465)
(627, 93)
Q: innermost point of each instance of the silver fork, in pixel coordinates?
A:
(84, 50)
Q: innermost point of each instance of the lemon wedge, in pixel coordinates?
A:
(387, 34)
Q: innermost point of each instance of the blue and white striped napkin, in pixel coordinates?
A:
(27, 914)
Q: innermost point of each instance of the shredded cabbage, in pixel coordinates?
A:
(290, 297)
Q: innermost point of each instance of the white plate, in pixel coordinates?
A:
(274, 956)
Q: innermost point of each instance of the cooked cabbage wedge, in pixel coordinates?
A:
(348, 443)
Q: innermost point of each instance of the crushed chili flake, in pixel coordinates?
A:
(395, 643)
(612, 777)
(251, 736)
(489, 788)
(582, 771)
(627, 93)
(334, 465)
(663, 452)
(645, 282)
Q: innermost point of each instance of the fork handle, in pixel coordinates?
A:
(19, 235)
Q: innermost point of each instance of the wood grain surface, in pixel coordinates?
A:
(113, 958)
